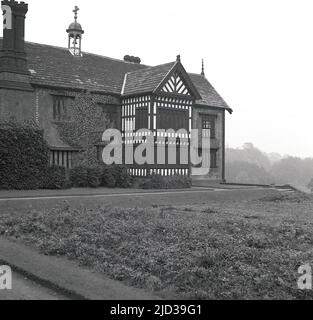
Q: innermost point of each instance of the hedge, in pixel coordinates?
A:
(24, 165)
(24, 156)
(161, 182)
(56, 178)
(86, 177)
(116, 176)
(100, 176)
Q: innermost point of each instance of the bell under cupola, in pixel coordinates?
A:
(75, 33)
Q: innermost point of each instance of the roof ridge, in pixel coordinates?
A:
(84, 52)
(151, 67)
(115, 59)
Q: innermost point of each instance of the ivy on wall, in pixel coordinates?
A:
(88, 122)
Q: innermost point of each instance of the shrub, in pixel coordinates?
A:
(116, 176)
(153, 182)
(86, 176)
(24, 156)
(160, 182)
(100, 175)
(79, 177)
(108, 178)
(94, 176)
(56, 178)
(122, 178)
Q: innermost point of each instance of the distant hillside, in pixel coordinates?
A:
(248, 153)
(250, 165)
(275, 157)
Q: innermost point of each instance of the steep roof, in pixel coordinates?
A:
(146, 80)
(153, 80)
(57, 67)
(210, 96)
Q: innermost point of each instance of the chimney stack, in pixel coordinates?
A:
(132, 59)
(14, 73)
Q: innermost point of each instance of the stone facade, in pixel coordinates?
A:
(18, 104)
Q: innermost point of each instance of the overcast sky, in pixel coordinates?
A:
(258, 54)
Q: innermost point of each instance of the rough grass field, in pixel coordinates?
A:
(235, 250)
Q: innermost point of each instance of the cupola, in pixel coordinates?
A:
(75, 33)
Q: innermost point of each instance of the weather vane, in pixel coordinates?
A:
(76, 11)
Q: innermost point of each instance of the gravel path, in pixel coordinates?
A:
(129, 199)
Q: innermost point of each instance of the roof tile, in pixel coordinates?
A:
(210, 96)
(146, 80)
(57, 67)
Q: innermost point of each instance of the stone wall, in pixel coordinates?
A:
(18, 104)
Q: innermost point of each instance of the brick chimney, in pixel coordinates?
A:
(132, 59)
(14, 73)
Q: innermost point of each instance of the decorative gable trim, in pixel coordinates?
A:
(177, 82)
(176, 85)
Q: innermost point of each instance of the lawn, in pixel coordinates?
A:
(222, 250)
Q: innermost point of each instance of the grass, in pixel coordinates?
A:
(219, 250)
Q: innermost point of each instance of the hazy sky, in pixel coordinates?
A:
(258, 54)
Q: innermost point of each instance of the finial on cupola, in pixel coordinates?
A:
(178, 58)
(202, 72)
(76, 9)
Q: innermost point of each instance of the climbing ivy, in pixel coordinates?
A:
(88, 122)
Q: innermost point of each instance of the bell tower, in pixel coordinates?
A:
(75, 33)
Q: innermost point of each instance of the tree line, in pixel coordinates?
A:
(250, 165)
